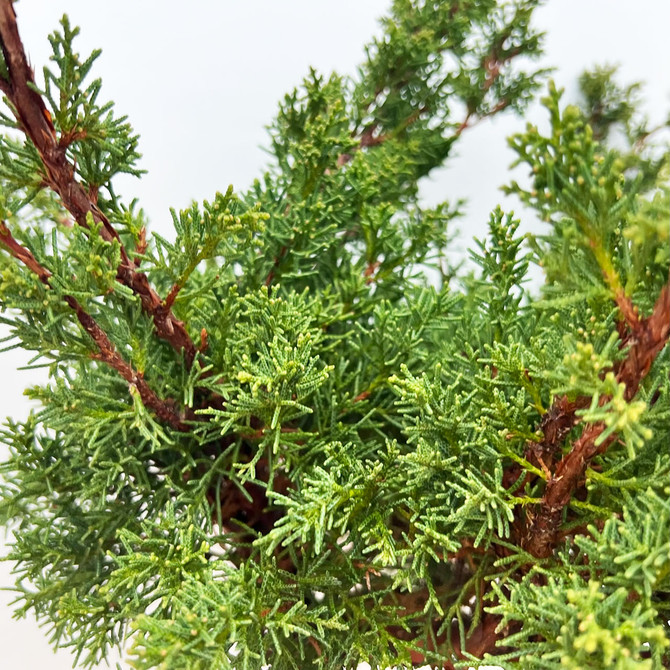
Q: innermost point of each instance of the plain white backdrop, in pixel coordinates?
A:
(200, 81)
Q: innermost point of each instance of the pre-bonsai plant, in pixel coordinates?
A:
(276, 440)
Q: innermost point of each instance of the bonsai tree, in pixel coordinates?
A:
(293, 434)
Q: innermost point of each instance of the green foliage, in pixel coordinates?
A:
(216, 233)
(356, 456)
(607, 104)
(100, 145)
(581, 613)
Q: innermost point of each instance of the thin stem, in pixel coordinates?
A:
(107, 352)
(35, 120)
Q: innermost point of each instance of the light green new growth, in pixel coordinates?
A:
(293, 434)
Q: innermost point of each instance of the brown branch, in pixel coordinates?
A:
(649, 337)
(22, 254)
(172, 295)
(464, 124)
(628, 311)
(492, 65)
(276, 263)
(35, 120)
(367, 138)
(71, 136)
(106, 353)
(646, 343)
(556, 423)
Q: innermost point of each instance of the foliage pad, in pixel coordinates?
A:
(295, 435)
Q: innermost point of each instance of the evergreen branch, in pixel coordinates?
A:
(107, 352)
(35, 121)
(492, 65)
(649, 337)
(22, 254)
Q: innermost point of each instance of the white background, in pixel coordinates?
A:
(200, 80)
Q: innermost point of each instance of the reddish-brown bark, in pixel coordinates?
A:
(59, 174)
(646, 340)
(107, 353)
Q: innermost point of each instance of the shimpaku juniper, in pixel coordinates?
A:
(280, 438)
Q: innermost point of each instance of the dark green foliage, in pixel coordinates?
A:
(359, 458)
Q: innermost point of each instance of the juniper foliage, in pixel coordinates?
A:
(280, 438)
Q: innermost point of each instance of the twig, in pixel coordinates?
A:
(492, 65)
(107, 352)
(35, 120)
